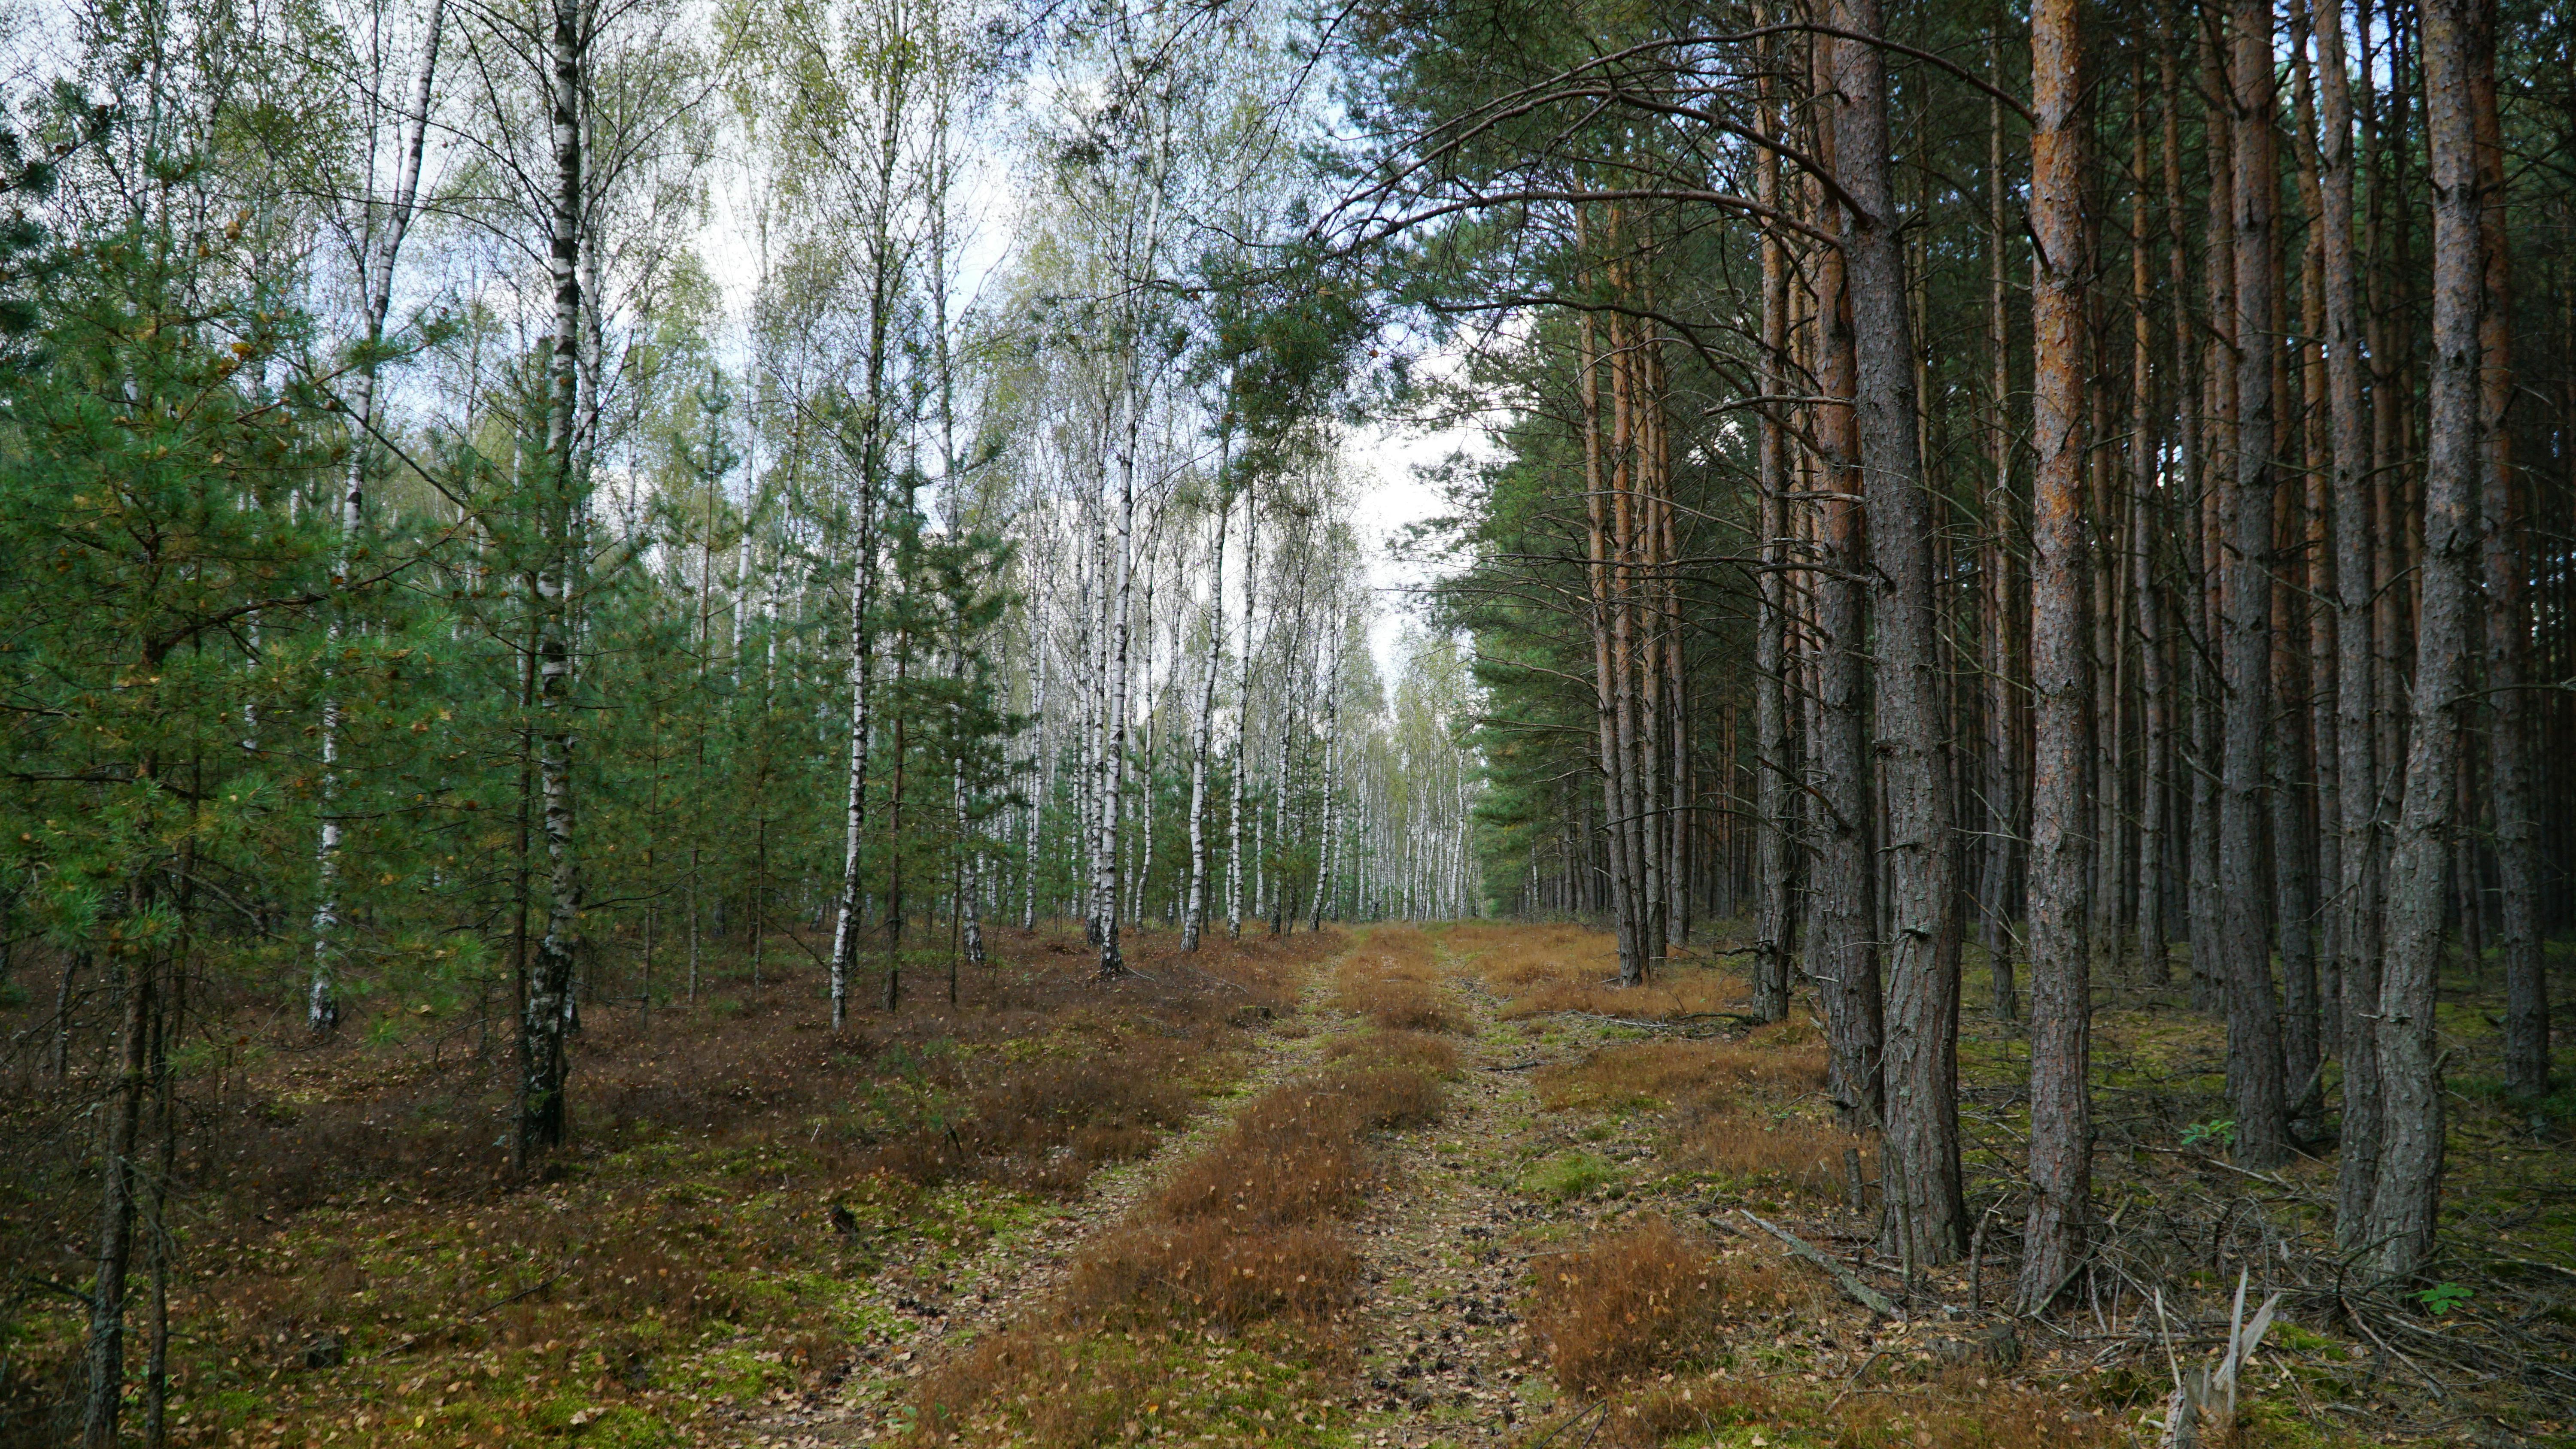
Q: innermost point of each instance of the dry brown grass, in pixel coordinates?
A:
(354, 1188)
(1963, 1409)
(1393, 979)
(1640, 1300)
(1251, 1232)
(1298, 1154)
(1675, 1073)
(1417, 1051)
(1539, 969)
(1793, 1152)
(1211, 1270)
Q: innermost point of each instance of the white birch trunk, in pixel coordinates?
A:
(1113, 773)
(1194, 916)
(376, 277)
(541, 1106)
(1242, 724)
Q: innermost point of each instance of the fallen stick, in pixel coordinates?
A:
(1858, 1291)
(2205, 1160)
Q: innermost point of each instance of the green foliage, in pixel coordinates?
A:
(2443, 1297)
(2220, 1134)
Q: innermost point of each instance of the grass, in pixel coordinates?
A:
(1636, 1301)
(1246, 1245)
(1568, 1175)
(746, 1194)
(1542, 969)
(1392, 978)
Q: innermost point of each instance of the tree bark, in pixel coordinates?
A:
(2356, 972)
(542, 1121)
(2060, 1016)
(2403, 1204)
(2145, 453)
(2003, 773)
(377, 255)
(1607, 616)
(1842, 936)
(2254, 1061)
(2511, 794)
(1773, 909)
(1921, 1052)
(106, 1352)
(1113, 765)
(854, 816)
(1193, 919)
(1234, 858)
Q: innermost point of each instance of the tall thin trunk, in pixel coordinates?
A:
(2403, 1216)
(854, 799)
(1234, 857)
(541, 1094)
(2316, 512)
(2357, 764)
(1193, 919)
(123, 1117)
(868, 459)
(2060, 1013)
(1332, 766)
(1041, 769)
(1921, 1051)
(891, 995)
(2205, 415)
(160, 1242)
(1113, 766)
(1842, 938)
(2145, 450)
(2299, 688)
(2508, 626)
(1606, 616)
(1774, 908)
(2001, 706)
(378, 254)
(2254, 1062)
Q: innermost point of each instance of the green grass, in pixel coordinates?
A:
(1568, 1175)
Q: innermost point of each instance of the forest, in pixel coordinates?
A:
(1740, 722)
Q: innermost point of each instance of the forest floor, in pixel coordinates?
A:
(1384, 1187)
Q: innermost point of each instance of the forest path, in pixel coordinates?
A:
(1441, 1356)
(1437, 1352)
(926, 1297)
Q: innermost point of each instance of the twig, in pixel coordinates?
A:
(1515, 1066)
(1858, 1291)
(2530, 1263)
(2206, 1160)
(495, 1306)
(1569, 1422)
(2364, 1325)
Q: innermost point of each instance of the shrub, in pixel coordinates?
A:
(1413, 1050)
(1211, 1271)
(1393, 981)
(1650, 1073)
(1802, 1155)
(1640, 1300)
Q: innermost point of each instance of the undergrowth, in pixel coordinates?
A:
(1246, 1246)
(745, 1192)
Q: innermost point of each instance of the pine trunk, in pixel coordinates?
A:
(2060, 1011)
(2254, 1060)
(2403, 1204)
